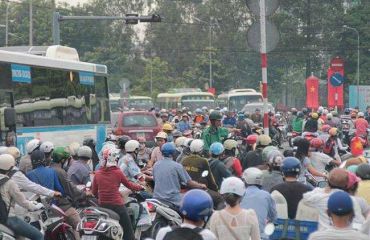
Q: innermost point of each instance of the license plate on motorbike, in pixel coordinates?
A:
(84, 237)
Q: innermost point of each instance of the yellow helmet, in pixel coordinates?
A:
(315, 115)
(167, 127)
(333, 131)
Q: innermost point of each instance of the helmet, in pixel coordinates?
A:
(266, 151)
(252, 139)
(167, 127)
(325, 128)
(111, 138)
(315, 115)
(275, 158)
(47, 147)
(291, 166)
(347, 111)
(132, 146)
(263, 140)
(197, 146)
(363, 171)
(89, 142)
(168, 149)
(37, 158)
(187, 142)
(215, 115)
(33, 145)
(232, 185)
(196, 205)
(110, 156)
(252, 176)
(84, 152)
(293, 110)
(340, 203)
(7, 162)
(333, 131)
(320, 109)
(198, 111)
(300, 114)
(360, 114)
(241, 116)
(161, 135)
(204, 108)
(3, 149)
(14, 151)
(230, 144)
(329, 116)
(316, 143)
(304, 110)
(60, 154)
(73, 148)
(122, 141)
(179, 142)
(335, 113)
(176, 133)
(216, 148)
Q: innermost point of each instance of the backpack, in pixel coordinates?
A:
(4, 210)
(184, 233)
(329, 147)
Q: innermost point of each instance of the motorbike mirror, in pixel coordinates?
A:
(205, 173)
(269, 229)
(88, 184)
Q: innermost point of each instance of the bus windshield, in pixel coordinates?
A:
(192, 105)
(140, 104)
(238, 102)
(115, 105)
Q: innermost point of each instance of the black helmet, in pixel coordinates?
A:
(37, 158)
(363, 171)
(300, 114)
(121, 142)
(89, 142)
(215, 115)
(347, 111)
(305, 111)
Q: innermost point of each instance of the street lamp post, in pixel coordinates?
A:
(7, 24)
(209, 51)
(358, 61)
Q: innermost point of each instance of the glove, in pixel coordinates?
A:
(38, 206)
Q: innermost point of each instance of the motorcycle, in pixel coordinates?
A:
(291, 136)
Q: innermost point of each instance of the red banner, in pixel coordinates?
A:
(312, 92)
(335, 94)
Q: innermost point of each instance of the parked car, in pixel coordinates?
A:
(137, 124)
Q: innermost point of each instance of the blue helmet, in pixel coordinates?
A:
(216, 148)
(168, 149)
(291, 166)
(196, 205)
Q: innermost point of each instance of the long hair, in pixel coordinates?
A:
(303, 146)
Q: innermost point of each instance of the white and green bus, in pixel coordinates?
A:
(192, 100)
(237, 98)
(56, 97)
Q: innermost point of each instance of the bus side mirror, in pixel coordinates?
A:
(9, 117)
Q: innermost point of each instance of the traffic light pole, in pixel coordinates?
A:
(129, 18)
(264, 65)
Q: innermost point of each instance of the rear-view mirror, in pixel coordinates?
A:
(9, 117)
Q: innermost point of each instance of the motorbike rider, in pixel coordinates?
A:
(244, 125)
(196, 207)
(185, 150)
(214, 133)
(257, 116)
(230, 160)
(25, 164)
(257, 199)
(121, 142)
(333, 146)
(160, 139)
(273, 175)
(90, 142)
(168, 129)
(79, 171)
(361, 125)
(291, 189)
(184, 124)
(324, 134)
(218, 168)
(229, 120)
(312, 124)
(143, 155)
(199, 117)
(234, 222)
(169, 176)
(254, 158)
(11, 194)
(297, 123)
(105, 186)
(341, 212)
(363, 172)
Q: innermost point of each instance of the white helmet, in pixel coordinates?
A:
(329, 116)
(84, 152)
(73, 148)
(320, 109)
(110, 156)
(7, 161)
(252, 176)
(187, 142)
(33, 145)
(179, 142)
(14, 151)
(196, 146)
(3, 149)
(131, 146)
(161, 135)
(275, 158)
(233, 185)
(47, 147)
(360, 114)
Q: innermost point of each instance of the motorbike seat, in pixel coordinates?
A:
(112, 214)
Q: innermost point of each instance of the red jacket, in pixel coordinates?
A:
(106, 185)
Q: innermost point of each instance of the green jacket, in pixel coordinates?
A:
(297, 124)
(211, 135)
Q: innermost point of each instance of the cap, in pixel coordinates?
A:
(340, 203)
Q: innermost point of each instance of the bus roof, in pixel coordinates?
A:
(242, 90)
(161, 95)
(140, 97)
(49, 62)
(236, 94)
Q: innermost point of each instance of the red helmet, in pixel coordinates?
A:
(251, 139)
(325, 128)
(316, 143)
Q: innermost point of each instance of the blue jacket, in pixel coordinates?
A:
(183, 126)
(46, 177)
(229, 121)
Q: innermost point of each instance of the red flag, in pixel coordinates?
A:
(312, 92)
(335, 94)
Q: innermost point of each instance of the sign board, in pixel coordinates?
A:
(337, 79)
(86, 78)
(21, 73)
(359, 96)
(337, 64)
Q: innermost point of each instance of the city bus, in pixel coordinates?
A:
(56, 97)
(237, 98)
(190, 99)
